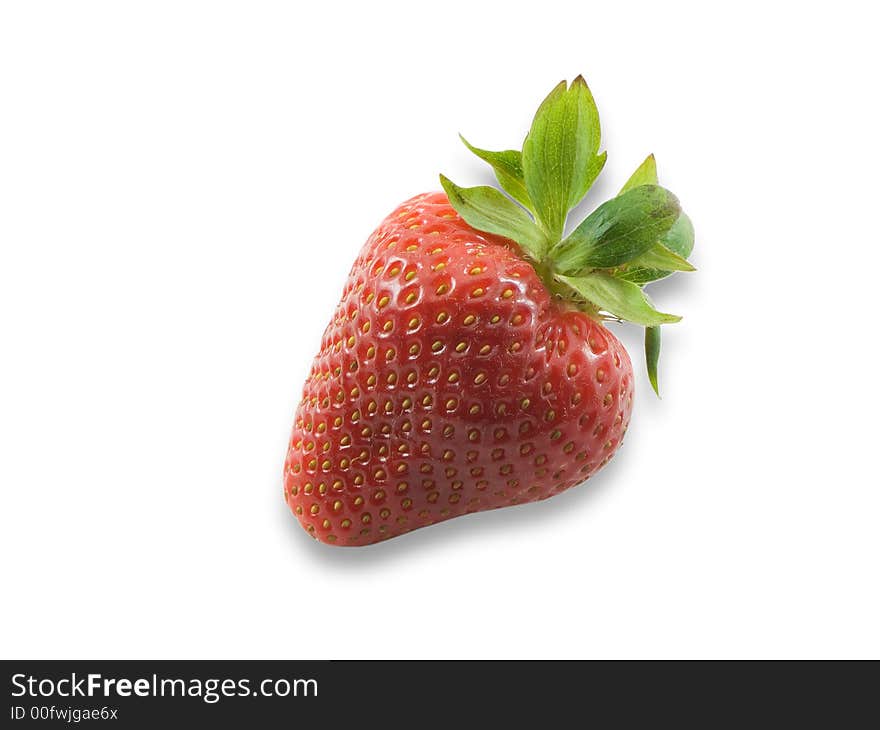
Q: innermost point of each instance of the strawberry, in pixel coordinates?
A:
(467, 366)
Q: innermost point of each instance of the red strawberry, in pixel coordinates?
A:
(467, 366)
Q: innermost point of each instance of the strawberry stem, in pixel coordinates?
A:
(601, 267)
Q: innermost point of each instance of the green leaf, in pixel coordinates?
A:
(645, 174)
(487, 209)
(679, 240)
(620, 298)
(558, 156)
(660, 257)
(508, 169)
(652, 355)
(618, 231)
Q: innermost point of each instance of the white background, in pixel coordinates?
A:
(183, 187)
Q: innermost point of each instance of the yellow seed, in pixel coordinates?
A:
(507, 293)
(383, 302)
(414, 322)
(411, 297)
(461, 347)
(410, 275)
(478, 292)
(442, 289)
(484, 350)
(481, 378)
(314, 509)
(469, 320)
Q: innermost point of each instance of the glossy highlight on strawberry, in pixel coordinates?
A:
(449, 381)
(467, 366)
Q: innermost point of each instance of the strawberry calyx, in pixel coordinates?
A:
(602, 264)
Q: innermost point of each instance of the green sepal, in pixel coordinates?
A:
(508, 170)
(645, 174)
(558, 155)
(618, 231)
(487, 209)
(652, 355)
(660, 257)
(593, 169)
(679, 240)
(620, 298)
